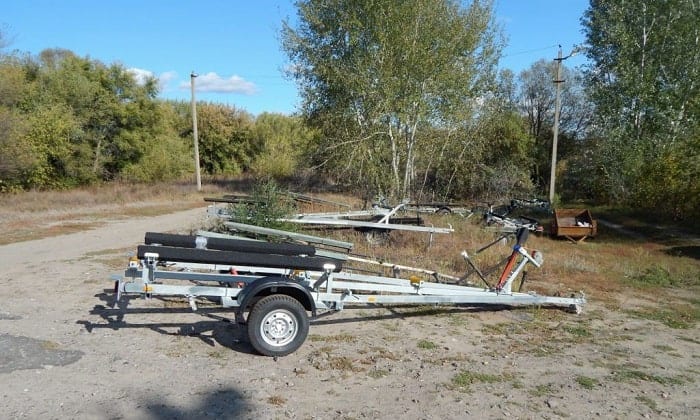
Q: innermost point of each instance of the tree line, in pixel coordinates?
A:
(400, 101)
(67, 121)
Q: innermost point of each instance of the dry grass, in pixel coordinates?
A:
(40, 214)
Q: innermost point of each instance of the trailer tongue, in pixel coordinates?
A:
(279, 285)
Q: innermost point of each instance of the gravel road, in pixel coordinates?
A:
(66, 351)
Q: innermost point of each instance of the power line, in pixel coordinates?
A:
(530, 51)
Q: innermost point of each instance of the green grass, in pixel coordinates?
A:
(627, 374)
(677, 317)
(658, 276)
(542, 390)
(586, 382)
(466, 378)
(578, 331)
(426, 345)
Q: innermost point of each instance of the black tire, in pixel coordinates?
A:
(443, 211)
(277, 325)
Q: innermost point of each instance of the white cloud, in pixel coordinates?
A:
(166, 77)
(140, 75)
(212, 82)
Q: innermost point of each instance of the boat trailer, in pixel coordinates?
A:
(279, 284)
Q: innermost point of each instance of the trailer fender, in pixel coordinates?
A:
(274, 285)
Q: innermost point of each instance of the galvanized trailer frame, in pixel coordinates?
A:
(278, 297)
(349, 219)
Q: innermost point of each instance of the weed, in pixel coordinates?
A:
(343, 363)
(578, 331)
(586, 382)
(276, 400)
(426, 345)
(466, 378)
(384, 353)
(647, 401)
(338, 338)
(542, 390)
(216, 354)
(377, 373)
(393, 327)
(627, 374)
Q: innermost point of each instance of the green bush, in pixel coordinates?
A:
(268, 203)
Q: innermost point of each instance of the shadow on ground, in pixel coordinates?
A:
(213, 329)
(685, 251)
(224, 403)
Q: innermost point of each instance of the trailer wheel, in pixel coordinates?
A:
(443, 211)
(277, 325)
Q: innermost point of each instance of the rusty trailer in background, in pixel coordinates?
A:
(574, 224)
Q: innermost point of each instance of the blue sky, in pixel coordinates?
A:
(234, 45)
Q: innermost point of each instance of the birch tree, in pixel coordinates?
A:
(645, 83)
(376, 75)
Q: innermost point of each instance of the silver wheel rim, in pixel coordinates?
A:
(278, 328)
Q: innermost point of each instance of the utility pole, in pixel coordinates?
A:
(557, 109)
(193, 75)
(557, 104)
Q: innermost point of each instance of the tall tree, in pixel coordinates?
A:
(375, 76)
(225, 145)
(67, 120)
(645, 83)
(280, 142)
(115, 114)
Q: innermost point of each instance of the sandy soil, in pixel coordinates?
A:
(64, 355)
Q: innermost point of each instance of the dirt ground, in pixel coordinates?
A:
(67, 352)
